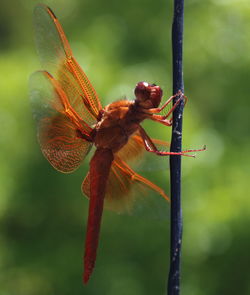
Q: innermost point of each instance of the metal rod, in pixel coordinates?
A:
(176, 146)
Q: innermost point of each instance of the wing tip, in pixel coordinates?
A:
(46, 9)
(43, 6)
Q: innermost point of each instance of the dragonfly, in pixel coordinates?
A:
(71, 120)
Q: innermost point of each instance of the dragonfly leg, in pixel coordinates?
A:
(150, 147)
(158, 110)
(161, 119)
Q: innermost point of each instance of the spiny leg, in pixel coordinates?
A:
(159, 109)
(161, 119)
(150, 147)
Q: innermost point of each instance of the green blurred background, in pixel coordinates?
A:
(42, 212)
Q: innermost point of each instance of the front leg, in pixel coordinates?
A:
(158, 110)
(163, 118)
(150, 147)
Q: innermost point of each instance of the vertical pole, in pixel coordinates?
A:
(176, 146)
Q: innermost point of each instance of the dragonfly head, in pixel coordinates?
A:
(148, 95)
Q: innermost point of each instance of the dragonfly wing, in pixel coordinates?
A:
(60, 130)
(134, 153)
(135, 148)
(57, 58)
(129, 192)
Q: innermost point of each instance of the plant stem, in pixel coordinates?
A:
(176, 146)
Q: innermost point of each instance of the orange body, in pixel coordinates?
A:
(119, 121)
(70, 120)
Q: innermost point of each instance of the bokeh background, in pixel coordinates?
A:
(42, 212)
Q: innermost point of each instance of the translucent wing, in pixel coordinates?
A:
(57, 58)
(62, 134)
(135, 148)
(135, 154)
(129, 192)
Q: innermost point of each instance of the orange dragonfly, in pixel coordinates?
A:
(71, 119)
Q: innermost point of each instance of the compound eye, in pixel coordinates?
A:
(156, 95)
(141, 90)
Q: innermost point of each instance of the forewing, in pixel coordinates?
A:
(57, 58)
(59, 127)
